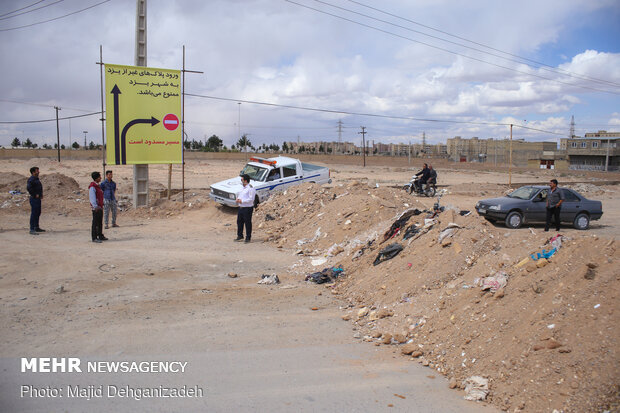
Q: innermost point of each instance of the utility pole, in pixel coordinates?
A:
(85, 132)
(424, 143)
(607, 155)
(340, 136)
(510, 161)
(363, 132)
(140, 172)
(57, 133)
(409, 157)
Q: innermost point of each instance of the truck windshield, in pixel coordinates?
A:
(256, 173)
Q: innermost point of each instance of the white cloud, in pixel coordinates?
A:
(281, 53)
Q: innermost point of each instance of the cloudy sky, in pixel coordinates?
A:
(397, 67)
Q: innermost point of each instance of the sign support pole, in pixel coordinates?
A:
(183, 125)
(103, 148)
(140, 171)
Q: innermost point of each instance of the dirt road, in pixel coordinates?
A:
(158, 290)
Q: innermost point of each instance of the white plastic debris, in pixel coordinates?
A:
(319, 261)
(269, 279)
(476, 388)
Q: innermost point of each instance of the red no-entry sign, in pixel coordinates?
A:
(171, 121)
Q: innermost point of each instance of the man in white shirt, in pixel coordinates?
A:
(245, 200)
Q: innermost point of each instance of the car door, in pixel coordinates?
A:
(289, 176)
(571, 206)
(536, 208)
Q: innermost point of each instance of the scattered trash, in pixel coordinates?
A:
(269, 218)
(493, 282)
(522, 262)
(464, 213)
(597, 306)
(361, 251)
(318, 261)
(61, 289)
(233, 275)
(556, 242)
(334, 250)
(476, 388)
(269, 279)
(400, 223)
(448, 232)
(317, 234)
(15, 192)
(551, 326)
(411, 231)
(388, 253)
(325, 276)
(544, 254)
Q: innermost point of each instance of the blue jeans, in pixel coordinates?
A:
(35, 213)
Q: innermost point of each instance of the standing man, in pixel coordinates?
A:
(35, 189)
(555, 197)
(245, 200)
(109, 199)
(95, 196)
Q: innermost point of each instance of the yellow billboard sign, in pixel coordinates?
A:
(143, 115)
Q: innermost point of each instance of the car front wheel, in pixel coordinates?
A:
(582, 221)
(514, 220)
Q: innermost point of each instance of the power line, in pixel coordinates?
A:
(451, 51)
(49, 120)
(43, 105)
(55, 18)
(544, 65)
(23, 8)
(30, 11)
(341, 112)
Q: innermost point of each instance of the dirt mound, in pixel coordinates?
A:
(57, 184)
(544, 332)
(11, 181)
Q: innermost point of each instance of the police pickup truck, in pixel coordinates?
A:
(267, 176)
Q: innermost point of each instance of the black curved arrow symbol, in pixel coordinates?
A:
(117, 149)
(152, 121)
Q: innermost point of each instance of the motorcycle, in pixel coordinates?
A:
(429, 189)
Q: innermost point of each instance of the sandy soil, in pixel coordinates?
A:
(426, 297)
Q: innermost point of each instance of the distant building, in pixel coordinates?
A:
(596, 151)
(496, 151)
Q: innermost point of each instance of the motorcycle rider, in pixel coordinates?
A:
(432, 177)
(423, 175)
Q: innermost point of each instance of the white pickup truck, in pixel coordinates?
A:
(267, 176)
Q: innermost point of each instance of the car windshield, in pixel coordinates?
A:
(525, 192)
(256, 173)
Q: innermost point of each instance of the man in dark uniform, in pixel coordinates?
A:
(555, 197)
(35, 189)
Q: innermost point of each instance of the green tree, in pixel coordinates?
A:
(46, 146)
(75, 145)
(91, 145)
(16, 142)
(61, 146)
(284, 147)
(321, 148)
(244, 143)
(214, 143)
(187, 144)
(28, 143)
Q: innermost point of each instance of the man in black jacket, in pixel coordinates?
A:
(425, 173)
(35, 189)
